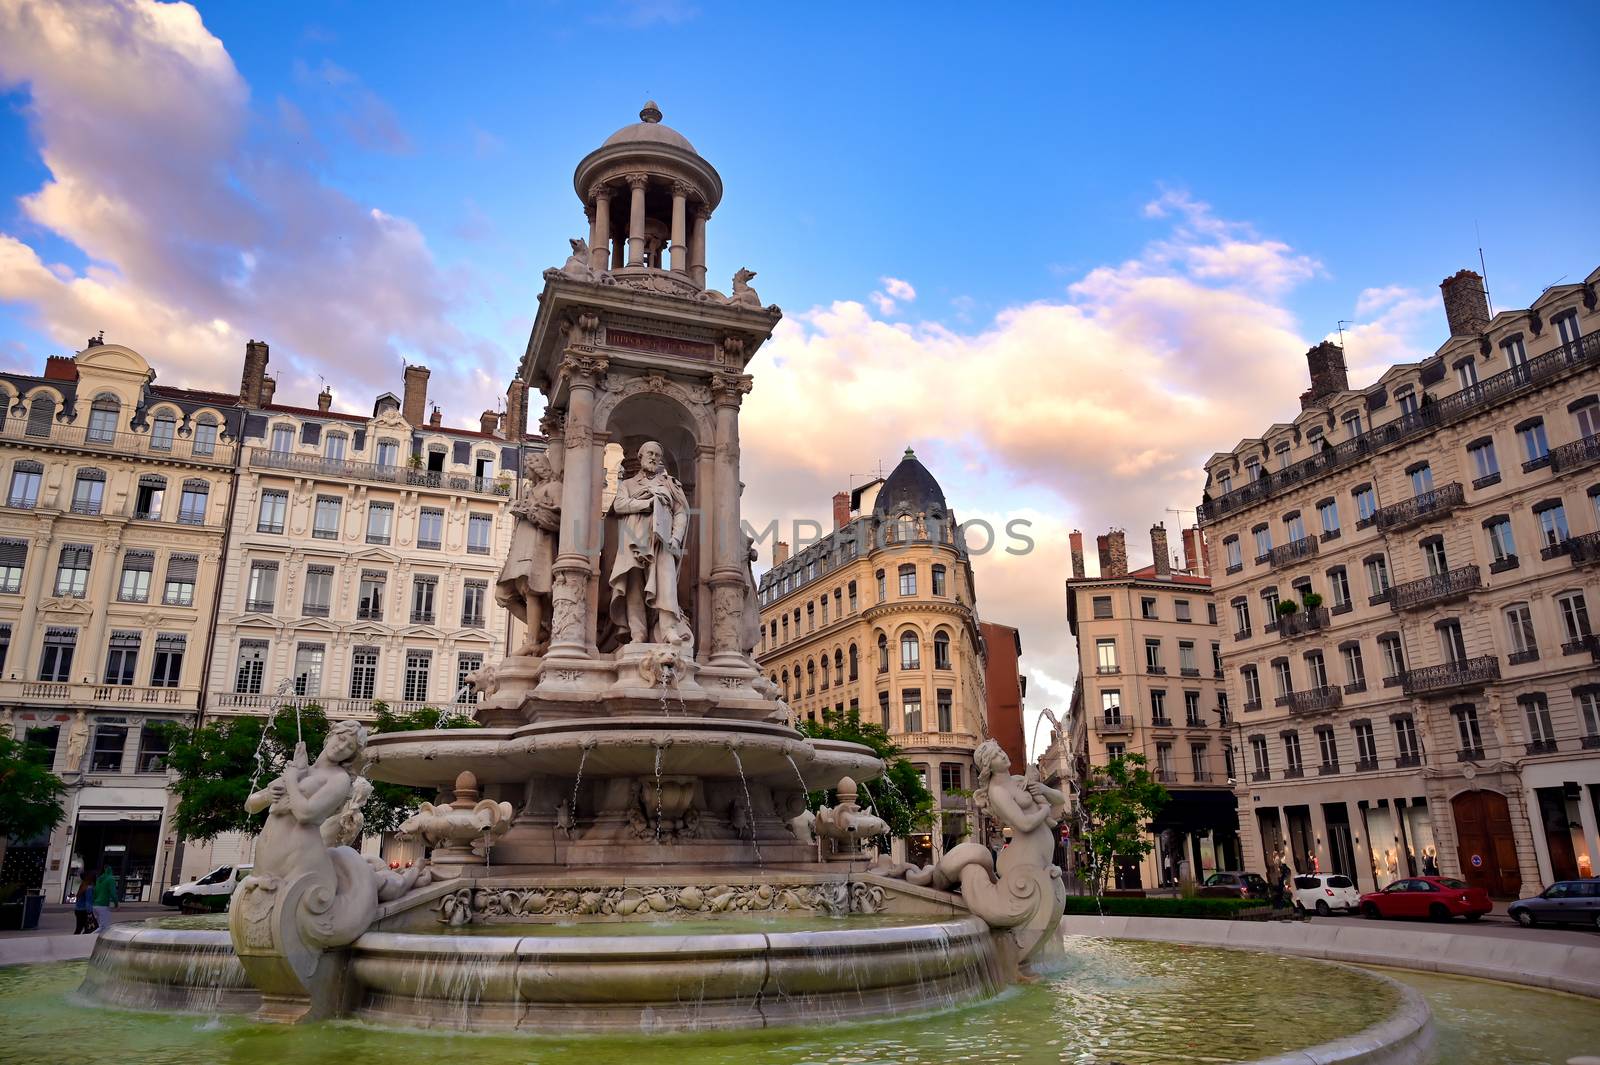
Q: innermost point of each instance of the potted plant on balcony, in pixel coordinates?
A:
(1311, 600)
(1287, 607)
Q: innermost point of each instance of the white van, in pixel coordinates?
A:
(208, 894)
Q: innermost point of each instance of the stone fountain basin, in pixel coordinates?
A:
(617, 747)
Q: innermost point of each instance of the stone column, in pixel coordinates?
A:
(727, 572)
(91, 652)
(680, 207)
(636, 182)
(697, 247)
(25, 637)
(600, 234)
(1586, 817)
(571, 626)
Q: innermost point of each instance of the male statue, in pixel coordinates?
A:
(652, 516)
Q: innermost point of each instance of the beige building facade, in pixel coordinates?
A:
(1405, 575)
(880, 617)
(111, 545)
(1150, 683)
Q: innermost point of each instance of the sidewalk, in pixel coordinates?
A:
(53, 940)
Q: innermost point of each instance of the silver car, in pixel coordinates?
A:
(1564, 902)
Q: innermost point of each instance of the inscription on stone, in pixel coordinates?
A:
(660, 345)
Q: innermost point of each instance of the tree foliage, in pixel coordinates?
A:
(900, 797)
(1118, 800)
(216, 763)
(30, 795)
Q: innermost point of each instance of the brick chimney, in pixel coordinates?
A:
(1076, 540)
(841, 509)
(1328, 375)
(1158, 549)
(1195, 556)
(325, 400)
(255, 371)
(60, 368)
(414, 400)
(269, 388)
(780, 553)
(1113, 548)
(516, 418)
(1466, 304)
(435, 419)
(489, 422)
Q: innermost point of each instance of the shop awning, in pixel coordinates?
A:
(122, 814)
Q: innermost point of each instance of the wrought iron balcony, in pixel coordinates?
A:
(1420, 508)
(342, 470)
(1112, 726)
(1451, 677)
(1366, 765)
(1542, 747)
(1576, 455)
(1408, 761)
(1315, 700)
(1302, 622)
(1587, 642)
(1292, 552)
(1584, 550)
(1457, 583)
(80, 437)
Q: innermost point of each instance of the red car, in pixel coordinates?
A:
(1436, 897)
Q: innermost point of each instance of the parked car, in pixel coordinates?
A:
(1233, 885)
(1564, 902)
(1325, 893)
(208, 894)
(1436, 897)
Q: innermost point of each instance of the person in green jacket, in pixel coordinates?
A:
(105, 897)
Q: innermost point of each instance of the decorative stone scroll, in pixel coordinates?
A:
(470, 905)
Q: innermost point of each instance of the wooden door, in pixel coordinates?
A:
(1485, 846)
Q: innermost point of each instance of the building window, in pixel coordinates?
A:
(1516, 353)
(852, 590)
(1485, 464)
(1283, 678)
(883, 592)
(1535, 447)
(1394, 659)
(430, 528)
(1366, 744)
(1468, 735)
(1407, 399)
(908, 580)
(1241, 616)
(854, 663)
(1291, 754)
(1147, 608)
(1191, 710)
(1339, 585)
(325, 526)
(1519, 626)
(910, 651)
(1158, 707)
(1541, 733)
(1553, 530)
(911, 709)
(162, 431)
(122, 658)
(55, 656)
(380, 520)
(418, 664)
(1102, 606)
(1216, 659)
(1269, 604)
(1252, 686)
(838, 666)
(41, 415)
(319, 592)
(1405, 740)
(282, 439)
(1294, 528)
(333, 446)
(883, 710)
(941, 650)
(1587, 418)
(1366, 503)
(110, 741)
(1224, 482)
(1318, 669)
(938, 580)
(883, 653)
(1466, 374)
(1378, 575)
(134, 585)
(1421, 479)
(1328, 748)
(1263, 537)
(251, 669)
(480, 527)
(1502, 544)
(103, 419)
(152, 757)
(1328, 515)
(192, 502)
(466, 665)
(204, 441)
(1433, 554)
(1188, 664)
(1111, 706)
(88, 490)
(274, 508)
(473, 596)
(1574, 616)
(1567, 328)
(1152, 657)
(263, 587)
(166, 669)
(423, 592)
(1234, 554)
(363, 672)
(149, 497)
(945, 705)
(1252, 469)
(181, 570)
(1589, 710)
(308, 668)
(72, 575)
(1355, 669)
(1105, 656)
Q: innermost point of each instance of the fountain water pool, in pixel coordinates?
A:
(1107, 1001)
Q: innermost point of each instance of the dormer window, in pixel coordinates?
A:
(1282, 453)
(1252, 469)
(1225, 482)
(1407, 400)
(282, 439)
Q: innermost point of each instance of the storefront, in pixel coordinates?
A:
(126, 841)
(1196, 832)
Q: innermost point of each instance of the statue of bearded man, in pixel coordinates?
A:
(651, 515)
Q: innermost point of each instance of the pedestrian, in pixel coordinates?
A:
(105, 898)
(83, 908)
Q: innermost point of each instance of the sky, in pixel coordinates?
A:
(1066, 253)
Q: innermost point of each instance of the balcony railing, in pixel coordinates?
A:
(1302, 622)
(1487, 393)
(1315, 700)
(1584, 549)
(1408, 761)
(369, 613)
(1576, 455)
(339, 469)
(1439, 588)
(58, 435)
(1420, 508)
(937, 739)
(1112, 726)
(1290, 553)
(1451, 676)
(264, 703)
(99, 694)
(1587, 642)
(258, 606)
(1166, 776)
(1542, 747)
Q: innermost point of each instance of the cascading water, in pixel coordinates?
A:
(750, 806)
(658, 795)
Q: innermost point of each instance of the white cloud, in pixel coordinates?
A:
(898, 289)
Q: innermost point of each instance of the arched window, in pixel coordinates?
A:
(334, 445)
(852, 597)
(855, 670)
(811, 676)
(824, 671)
(910, 651)
(163, 429)
(192, 504)
(941, 650)
(838, 666)
(103, 418)
(5, 407)
(908, 579)
(883, 587)
(785, 685)
(883, 653)
(88, 490)
(205, 435)
(41, 414)
(938, 580)
(147, 500)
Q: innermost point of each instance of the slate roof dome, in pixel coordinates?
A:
(910, 490)
(649, 130)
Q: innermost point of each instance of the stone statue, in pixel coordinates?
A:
(846, 823)
(578, 265)
(750, 618)
(304, 899)
(452, 828)
(652, 517)
(743, 294)
(1028, 896)
(524, 584)
(395, 883)
(77, 742)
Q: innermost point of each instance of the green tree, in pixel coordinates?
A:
(1116, 803)
(30, 795)
(216, 763)
(900, 797)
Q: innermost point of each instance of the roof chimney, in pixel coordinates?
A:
(1195, 556)
(841, 509)
(435, 419)
(60, 368)
(269, 388)
(414, 399)
(516, 418)
(255, 370)
(1328, 376)
(489, 422)
(1113, 549)
(1076, 539)
(325, 399)
(1466, 304)
(1158, 549)
(780, 553)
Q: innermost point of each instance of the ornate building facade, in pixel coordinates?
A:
(111, 544)
(1405, 574)
(880, 617)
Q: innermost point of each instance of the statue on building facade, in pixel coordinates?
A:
(651, 518)
(524, 584)
(77, 742)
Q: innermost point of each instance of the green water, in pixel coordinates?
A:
(1138, 1003)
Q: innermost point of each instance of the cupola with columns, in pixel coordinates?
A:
(648, 196)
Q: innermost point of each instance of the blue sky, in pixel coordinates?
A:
(1030, 243)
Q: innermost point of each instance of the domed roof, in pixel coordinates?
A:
(649, 130)
(910, 489)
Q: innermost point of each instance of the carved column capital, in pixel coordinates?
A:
(636, 181)
(551, 422)
(683, 188)
(599, 191)
(729, 389)
(702, 213)
(583, 368)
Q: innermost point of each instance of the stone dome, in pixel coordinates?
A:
(649, 130)
(910, 490)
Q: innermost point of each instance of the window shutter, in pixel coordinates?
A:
(76, 556)
(255, 425)
(171, 641)
(182, 568)
(358, 441)
(91, 473)
(462, 453)
(508, 458)
(139, 560)
(310, 433)
(151, 480)
(13, 552)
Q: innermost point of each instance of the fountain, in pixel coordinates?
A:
(632, 767)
